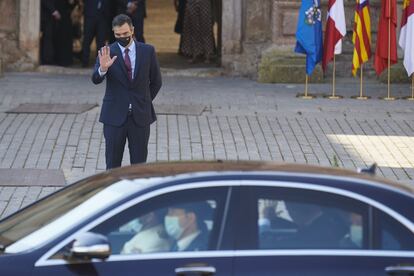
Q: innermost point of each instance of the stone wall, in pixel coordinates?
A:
(19, 34)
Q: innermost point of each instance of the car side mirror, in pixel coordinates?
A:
(90, 245)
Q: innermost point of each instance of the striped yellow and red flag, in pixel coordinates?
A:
(362, 35)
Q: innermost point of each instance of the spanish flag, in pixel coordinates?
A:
(388, 13)
(407, 35)
(362, 35)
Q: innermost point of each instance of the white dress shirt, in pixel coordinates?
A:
(185, 242)
(147, 241)
(132, 55)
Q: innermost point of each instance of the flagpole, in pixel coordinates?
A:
(334, 96)
(306, 85)
(389, 98)
(360, 86)
(361, 96)
(306, 96)
(412, 89)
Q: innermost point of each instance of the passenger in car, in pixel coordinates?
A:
(185, 224)
(150, 238)
(269, 220)
(318, 227)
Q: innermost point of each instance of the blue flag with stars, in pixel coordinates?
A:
(309, 33)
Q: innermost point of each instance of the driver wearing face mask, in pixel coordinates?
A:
(185, 225)
(151, 236)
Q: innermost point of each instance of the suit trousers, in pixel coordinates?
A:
(93, 27)
(138, 22)
(115, 139)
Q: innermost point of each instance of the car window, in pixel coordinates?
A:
(187, 220)
(302, 219)
(392, 234)
(55, 215)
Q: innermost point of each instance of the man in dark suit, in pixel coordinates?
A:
(136, 9)
(97, 17)
(49, 15)
(318, 226)
(185, 224)
(133, 79)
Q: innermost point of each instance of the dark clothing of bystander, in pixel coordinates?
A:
(137, 16)
(97, 16)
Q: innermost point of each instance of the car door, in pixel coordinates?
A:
(141, 250)
(306, 229)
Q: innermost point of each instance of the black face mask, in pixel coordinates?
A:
(123, 41)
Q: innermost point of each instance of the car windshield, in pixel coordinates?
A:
(50, 217)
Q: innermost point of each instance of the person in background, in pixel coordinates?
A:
(63, 35)
(96, 22)
(49, 15)
(318, 226)
(151, 236)
(136, 10)
(77, 18)
(185, 224)
(180, 8)
(197, 35)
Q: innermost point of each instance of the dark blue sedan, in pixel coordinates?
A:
(215, 218)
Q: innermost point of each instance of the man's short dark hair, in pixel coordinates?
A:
(120, 20)
(202, 209)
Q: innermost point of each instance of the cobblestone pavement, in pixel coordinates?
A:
(241, 120)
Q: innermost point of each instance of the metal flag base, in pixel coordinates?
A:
(305, 96)
(411, 98)
(331, 97)
(360, 97)
(388, 98)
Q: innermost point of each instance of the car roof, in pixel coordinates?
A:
(163, 169)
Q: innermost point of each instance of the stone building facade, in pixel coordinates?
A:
(258, 37)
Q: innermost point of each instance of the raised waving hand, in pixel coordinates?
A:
(105, 59)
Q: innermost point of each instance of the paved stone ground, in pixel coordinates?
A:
(242, 120)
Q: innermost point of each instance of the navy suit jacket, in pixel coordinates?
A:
(120, 91)
(199, 243)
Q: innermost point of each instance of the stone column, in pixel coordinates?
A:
(232, 27)
(29, 28)
(1, 57)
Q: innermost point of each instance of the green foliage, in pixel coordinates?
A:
(335, 162)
